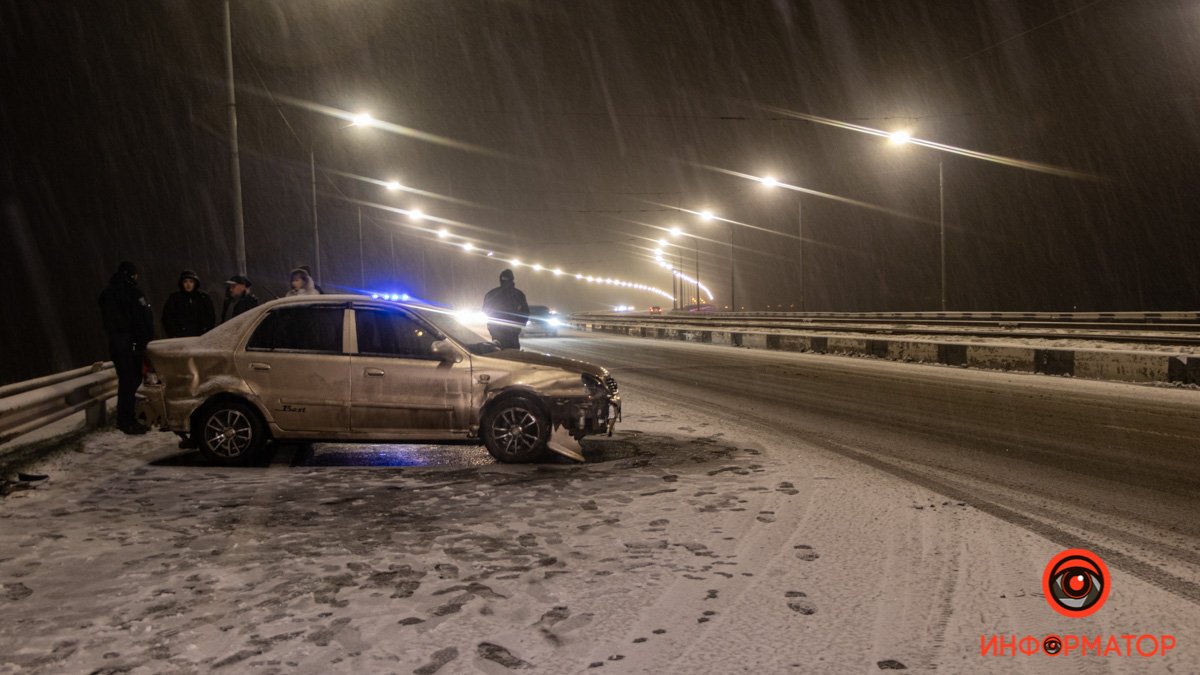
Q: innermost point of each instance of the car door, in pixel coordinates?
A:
(398, 386)
(295, 361)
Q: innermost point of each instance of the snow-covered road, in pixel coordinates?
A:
(756, 512)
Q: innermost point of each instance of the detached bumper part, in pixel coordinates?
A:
(562, 442)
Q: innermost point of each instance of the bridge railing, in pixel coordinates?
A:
(30, 405)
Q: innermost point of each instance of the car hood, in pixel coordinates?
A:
(546, 360)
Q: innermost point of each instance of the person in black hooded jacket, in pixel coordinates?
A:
(507, 312)
(189, 311)
(129, 322)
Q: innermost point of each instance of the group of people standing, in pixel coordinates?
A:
(188, 312)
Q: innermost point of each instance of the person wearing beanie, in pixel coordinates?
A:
(189, 311)
(238, 297)
(129, 323)
(507, 312)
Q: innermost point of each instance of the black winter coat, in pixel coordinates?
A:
(506, 303)
(234, 306)
(188, 314)
(128, 318)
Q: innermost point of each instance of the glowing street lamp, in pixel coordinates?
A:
(902, 137)
(362, 120)
(443, 233)
(771, 182)
(416, 215)
(708, 215)
(391, 186)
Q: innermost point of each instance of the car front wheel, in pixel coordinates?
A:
(516, 431)
(230, 432)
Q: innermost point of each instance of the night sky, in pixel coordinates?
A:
(596, 118)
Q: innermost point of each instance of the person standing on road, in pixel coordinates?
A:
(507, 312)
(129, 323)
(302, 283)
(189, 311)
(238, 297)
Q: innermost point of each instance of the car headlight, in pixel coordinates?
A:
(554, 322)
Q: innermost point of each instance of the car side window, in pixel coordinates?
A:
(392, 333)
(300, 329)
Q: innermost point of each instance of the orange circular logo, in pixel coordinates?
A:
(1076, 582)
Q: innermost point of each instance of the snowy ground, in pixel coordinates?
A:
(687, 544)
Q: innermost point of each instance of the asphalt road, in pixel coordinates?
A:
(755, 512)
(1109, 467)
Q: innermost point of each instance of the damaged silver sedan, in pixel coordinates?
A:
(348, 368)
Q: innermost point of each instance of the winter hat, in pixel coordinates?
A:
(506, 275)
(238, 279)
(127, 269)
(189, 274)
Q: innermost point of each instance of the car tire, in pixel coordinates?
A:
(516, 430)
(230, 432)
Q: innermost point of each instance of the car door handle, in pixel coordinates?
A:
(260, 366)
(374, 372)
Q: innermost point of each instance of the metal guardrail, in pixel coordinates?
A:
(1149, 319)
(1157, 328)
(30, 405)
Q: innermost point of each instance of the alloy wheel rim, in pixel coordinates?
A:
(228, 433)
(516, 430)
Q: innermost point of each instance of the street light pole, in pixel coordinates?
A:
(732, 273)
(942, 227)
(312, 164)
(362, 263)
(800, 239)
(235, 164)
(392, 240)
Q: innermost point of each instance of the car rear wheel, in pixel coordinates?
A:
(230, 432)
(516, 431)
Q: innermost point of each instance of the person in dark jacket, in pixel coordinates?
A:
(507, 312)
(189, 311)
(238, 297)
(129, 322)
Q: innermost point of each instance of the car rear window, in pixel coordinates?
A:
(300, 329)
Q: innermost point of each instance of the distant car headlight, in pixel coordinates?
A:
(554, 322)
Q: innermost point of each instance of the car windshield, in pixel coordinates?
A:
(448, 325)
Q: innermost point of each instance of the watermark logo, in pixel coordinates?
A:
(1076, 583)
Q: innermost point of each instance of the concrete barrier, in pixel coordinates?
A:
(1120, 365)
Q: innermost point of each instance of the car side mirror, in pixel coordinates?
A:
(447, 351)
